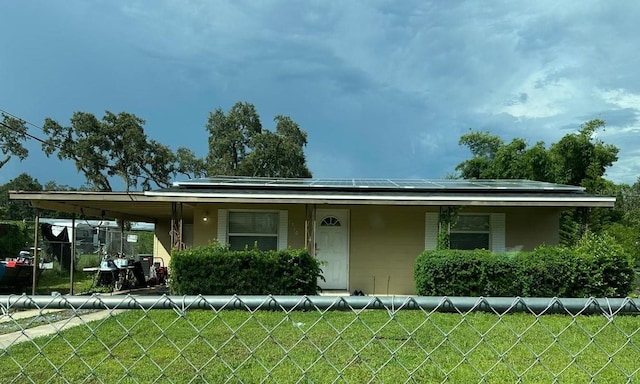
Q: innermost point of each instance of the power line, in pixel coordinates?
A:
(23, 133)
(21, 119)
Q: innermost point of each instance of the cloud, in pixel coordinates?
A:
(384, 89)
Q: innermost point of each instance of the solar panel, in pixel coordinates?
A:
(381, 184)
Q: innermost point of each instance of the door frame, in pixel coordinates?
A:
(319, 215)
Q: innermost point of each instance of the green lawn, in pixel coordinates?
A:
(198, 345)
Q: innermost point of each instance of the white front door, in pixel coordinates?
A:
(332, 247)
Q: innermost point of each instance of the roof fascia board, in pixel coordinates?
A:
(79, 196)
(86, 211)
(568, 201)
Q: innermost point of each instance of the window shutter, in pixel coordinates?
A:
(431, 230)
(283, 228)
(498, 232)
(223, 222)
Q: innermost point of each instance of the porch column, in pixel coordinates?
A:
(176, 227)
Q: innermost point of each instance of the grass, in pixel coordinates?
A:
(209, 346)
(52, 280)
(57, 280)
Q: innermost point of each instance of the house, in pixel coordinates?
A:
(367, 231)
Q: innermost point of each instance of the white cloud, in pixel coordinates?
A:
(621, 98)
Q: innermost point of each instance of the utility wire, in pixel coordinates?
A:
(21, 119)
(23, 133)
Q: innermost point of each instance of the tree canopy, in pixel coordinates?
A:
(579, 159)
(239, 146)
(13, 134)
(576, 159)
(115, 146)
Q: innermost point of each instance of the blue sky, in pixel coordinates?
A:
(384, 88)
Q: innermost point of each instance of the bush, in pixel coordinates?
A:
(451, 272)
(214, 270)
(606, 270)
(597, 267)
(548, 272)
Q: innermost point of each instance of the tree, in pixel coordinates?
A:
(187, 164)
(13, 134)
(238, 145)
(581, 159)
(576, 159)
(278, 154)
(114, 146)
(15, 209)
(230, 136)
(494, 159)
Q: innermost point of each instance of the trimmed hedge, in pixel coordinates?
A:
(597, 267)
(214, 270)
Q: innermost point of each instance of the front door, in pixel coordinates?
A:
(332, 247)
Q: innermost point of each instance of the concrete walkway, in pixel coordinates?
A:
(11, 339)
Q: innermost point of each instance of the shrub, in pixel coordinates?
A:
(548, 272)
(215, 270)
(452, 272)
(606, 270)
(597, 266)
(501, 276)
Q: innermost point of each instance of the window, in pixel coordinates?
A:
(244, 229)
(330, 221)
(471, 232)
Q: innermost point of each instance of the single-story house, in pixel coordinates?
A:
(367, 231)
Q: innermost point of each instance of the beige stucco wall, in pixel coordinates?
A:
(384, 241)
(528, 228)
(162, 242)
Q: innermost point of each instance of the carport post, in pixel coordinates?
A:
(73, 253)
(35, 254)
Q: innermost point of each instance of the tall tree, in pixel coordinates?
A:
(239, 146)
(115, 146)
(16, 209)
(13, 134)
(230, 137)
(577, 159)
(582, 159)
(495, 159)
(187, 164)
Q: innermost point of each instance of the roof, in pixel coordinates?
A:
(154, 205)
(384, 191)
(376, 184)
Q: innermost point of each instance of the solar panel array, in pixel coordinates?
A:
(385, 184)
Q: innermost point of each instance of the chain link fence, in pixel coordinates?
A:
(319, 339)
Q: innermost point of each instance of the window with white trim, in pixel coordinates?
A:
(242, 229)
(471, 231)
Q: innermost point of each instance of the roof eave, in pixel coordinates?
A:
(431, 200)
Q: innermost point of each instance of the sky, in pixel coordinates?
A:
(384, 89)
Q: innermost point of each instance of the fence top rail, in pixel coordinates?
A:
(497, 305)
